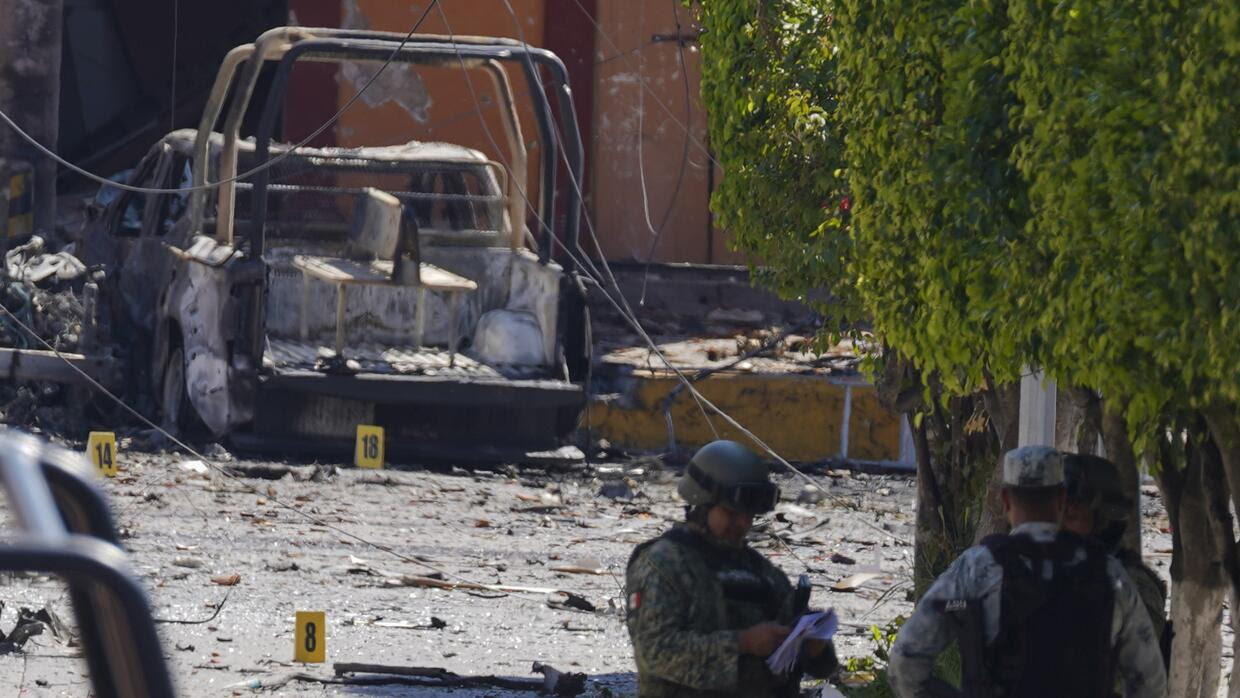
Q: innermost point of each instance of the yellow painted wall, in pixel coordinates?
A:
(873, 431)
(797, 415)
(801, 417)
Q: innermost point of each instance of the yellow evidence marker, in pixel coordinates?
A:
(310, 637)
(369, 452)
(101, 447)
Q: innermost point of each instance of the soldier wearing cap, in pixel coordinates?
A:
(1037, 612)
(704, 609)
(1099, 508)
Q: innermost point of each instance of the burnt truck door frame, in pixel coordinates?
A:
(146, 263)
(109, 234)
(113, 245)
(430, 52)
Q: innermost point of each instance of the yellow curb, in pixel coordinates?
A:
(800, 416)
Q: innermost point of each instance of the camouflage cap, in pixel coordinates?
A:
(1033, 466)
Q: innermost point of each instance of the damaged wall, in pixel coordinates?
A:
(30, 35)
(646, 49)
(436, 104)
(426, 105)
(805, 418)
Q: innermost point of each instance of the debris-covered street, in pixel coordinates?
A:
(192, 533)
(374, 348)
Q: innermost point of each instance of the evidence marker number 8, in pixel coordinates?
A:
(310, 638)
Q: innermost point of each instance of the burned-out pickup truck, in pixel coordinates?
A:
(394, 285)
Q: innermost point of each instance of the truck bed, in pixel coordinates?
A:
(289, 354)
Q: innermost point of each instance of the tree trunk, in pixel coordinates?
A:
(1078, 420)
(1003, 405)
(957, 446)
(1225, 430)
(931, 551)
(30, 36)
(1118, 444)
(1198, 585)
(1069, 420)
(1233, 612)
(1196, 655)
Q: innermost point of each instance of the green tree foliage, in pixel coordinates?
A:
(1040, 184)
(779, 85)
(769, 89)
(939, 204)
(1094, 111)
(1032, 184)
(1134, 177)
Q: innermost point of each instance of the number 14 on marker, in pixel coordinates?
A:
(101, 447)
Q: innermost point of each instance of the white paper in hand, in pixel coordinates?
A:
(820, 625)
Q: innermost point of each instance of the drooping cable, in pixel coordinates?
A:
(249, 173)
(584, 260)
(684, 155)
(636, 325)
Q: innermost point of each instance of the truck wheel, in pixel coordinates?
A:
(178, 413)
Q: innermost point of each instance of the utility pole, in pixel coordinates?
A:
(30, 40)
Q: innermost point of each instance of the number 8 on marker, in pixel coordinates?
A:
(310, 637)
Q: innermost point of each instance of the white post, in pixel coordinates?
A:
(1037, 410)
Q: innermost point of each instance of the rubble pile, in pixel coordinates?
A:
(45, 291)
(42, 290)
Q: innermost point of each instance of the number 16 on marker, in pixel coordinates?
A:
(311, 637)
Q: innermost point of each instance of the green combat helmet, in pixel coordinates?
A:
(1096, 482)
(727, 473)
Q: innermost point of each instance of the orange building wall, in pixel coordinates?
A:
(437, 104)
(623, 49)
(626, 120)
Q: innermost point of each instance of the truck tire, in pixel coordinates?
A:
(177, 412)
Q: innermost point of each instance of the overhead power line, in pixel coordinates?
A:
(249, 173)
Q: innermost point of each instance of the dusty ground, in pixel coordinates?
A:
(511, 528)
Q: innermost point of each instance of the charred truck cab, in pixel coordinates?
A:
(397, 286)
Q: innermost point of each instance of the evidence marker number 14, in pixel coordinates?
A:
(101, 448)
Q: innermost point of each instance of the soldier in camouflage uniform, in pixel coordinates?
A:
(704, 609)
(1038, 612)
(1098, 508)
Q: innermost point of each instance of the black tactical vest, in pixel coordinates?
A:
(1054, 634)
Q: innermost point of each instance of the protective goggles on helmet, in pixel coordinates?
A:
(746, 497)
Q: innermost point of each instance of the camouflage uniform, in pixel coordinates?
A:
(688, 596)
(1096, 482)
(1150, 587)
(977, 577)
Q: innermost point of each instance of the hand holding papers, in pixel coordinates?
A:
(820, 625)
